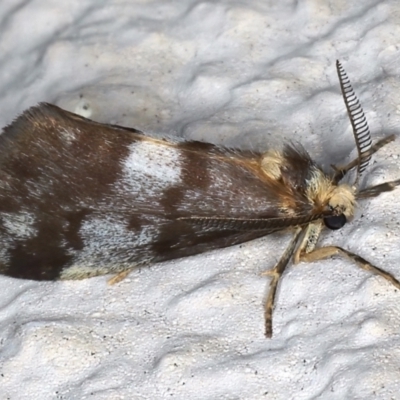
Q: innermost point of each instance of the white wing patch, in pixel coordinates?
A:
(19, 225)
(150, 169)
(108, 245)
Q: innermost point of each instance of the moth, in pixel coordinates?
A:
(80, 199)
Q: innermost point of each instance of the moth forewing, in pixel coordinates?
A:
(81, 199)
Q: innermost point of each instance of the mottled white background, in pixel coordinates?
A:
(245, 73)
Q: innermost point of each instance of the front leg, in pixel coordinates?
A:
(329, 251)
(310, 240)
(308, 253)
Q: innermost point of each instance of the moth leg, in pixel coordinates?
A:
(276, 274)
(119, 277)
(310, 240)
(329, 251)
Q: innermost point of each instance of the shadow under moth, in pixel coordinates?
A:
(80, 199)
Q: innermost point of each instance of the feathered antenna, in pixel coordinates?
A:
(358, 121)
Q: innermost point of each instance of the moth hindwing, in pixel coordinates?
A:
(80, 198)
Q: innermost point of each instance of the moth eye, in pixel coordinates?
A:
(335, 222)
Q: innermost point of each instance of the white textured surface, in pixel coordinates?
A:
(243, 73)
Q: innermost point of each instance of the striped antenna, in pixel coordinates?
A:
(358, 121)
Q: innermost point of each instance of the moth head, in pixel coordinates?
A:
(341, 202)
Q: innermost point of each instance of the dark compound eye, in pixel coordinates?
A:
(335, 222)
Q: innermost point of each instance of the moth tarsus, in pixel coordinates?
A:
(81, 199)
